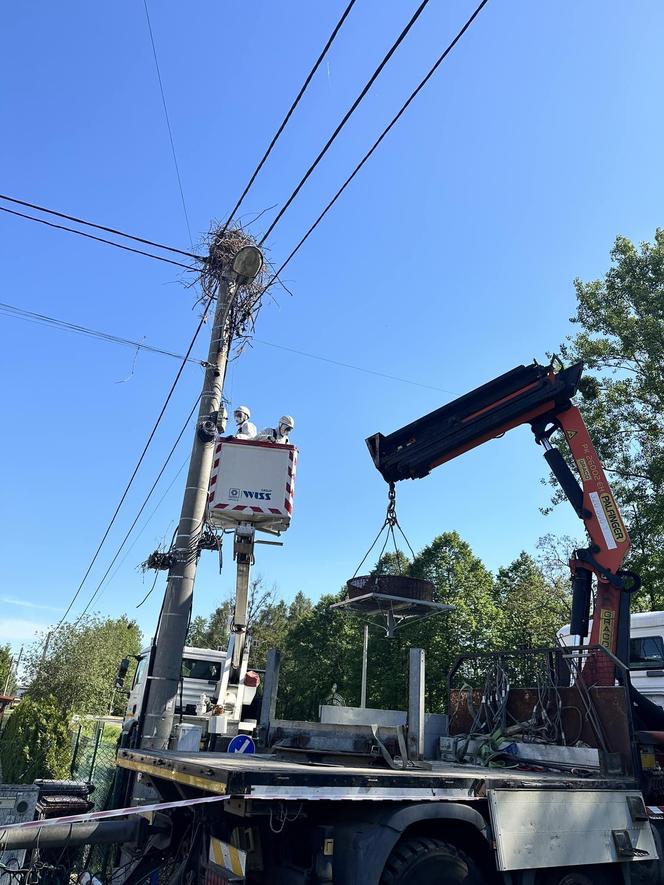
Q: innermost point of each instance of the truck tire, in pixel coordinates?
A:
(428, 861)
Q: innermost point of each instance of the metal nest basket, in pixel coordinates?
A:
(390, 601)
(390, 585)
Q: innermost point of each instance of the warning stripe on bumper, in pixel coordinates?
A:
(228, 857)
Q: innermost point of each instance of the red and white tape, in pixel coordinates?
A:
(116, 812)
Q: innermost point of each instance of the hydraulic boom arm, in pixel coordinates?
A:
(539, 396)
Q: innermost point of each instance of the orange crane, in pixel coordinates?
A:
(542, 397)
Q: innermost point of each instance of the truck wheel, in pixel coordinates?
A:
(425, 861)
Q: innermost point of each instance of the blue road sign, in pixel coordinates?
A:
(241, 743)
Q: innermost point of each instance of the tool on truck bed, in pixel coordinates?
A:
(540, 396)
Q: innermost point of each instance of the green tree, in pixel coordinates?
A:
(532, 606)
(461, 580)
(322, 648)
(78, 666)
(6, 670)
(621, 341)
(211, 632)
(35, 742)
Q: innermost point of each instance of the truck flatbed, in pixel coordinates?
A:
(266, 777)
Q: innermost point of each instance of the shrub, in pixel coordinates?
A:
(35, 743)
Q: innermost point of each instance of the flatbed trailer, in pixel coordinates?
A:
(350, 824)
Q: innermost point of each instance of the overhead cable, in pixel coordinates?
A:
(345, 118)
(325, 359)
(149, 519)
(43, 319)
(136, 468)
(168, 123)
(81, 233)
(380, 138)
(295, 103)
(108, 230)
(140, 511)
(51, 322)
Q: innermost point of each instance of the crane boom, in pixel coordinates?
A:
(542, 397)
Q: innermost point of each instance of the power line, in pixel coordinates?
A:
(141, 509)
(168, 123)
(108, 230)
(324, 359)
(380, 138)
(149, 519)
(295, 103)
(136, 468)
(81, 233)
(42, 319)
(345, 118)
(52, 322)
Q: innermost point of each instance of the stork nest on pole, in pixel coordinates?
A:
(222, 246)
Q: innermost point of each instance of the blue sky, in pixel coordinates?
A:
(448, 261)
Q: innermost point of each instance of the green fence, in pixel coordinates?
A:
(94, 747)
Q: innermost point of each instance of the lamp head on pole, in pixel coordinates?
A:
(248, 262)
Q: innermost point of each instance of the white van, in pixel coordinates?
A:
(646, 653)
(201, 669)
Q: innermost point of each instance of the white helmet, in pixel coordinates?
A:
(286, 420)
(243, 410)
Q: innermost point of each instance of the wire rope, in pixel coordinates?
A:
(379, 140)
(345, 118)
(289, 114)
(168, 124)
(81, 233)
(141, 509)
(103, 227)
(138, 464)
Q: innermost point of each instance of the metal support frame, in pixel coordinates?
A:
(244, 666)
(270, 689)
(416, 672)
(243, 553)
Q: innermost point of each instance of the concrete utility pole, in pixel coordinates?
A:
(163, 685)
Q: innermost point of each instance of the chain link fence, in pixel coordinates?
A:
(94, 748)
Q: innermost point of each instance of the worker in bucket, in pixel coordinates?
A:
(244, 428)
(278, 434)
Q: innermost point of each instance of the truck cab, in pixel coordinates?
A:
(201, 669)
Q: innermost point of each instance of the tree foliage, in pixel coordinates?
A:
(6, 670)
(78, 665)
(533, 607)
(35, 742)
(322, 648)
(621, 342)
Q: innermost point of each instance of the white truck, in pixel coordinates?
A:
(201, 673)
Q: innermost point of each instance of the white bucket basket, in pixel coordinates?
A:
(252, 481)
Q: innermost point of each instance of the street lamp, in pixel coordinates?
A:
(248, 262)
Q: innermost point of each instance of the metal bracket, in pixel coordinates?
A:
(616, 580)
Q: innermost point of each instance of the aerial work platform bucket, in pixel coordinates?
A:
(252, 481)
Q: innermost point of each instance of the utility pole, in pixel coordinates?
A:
(163, 683)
